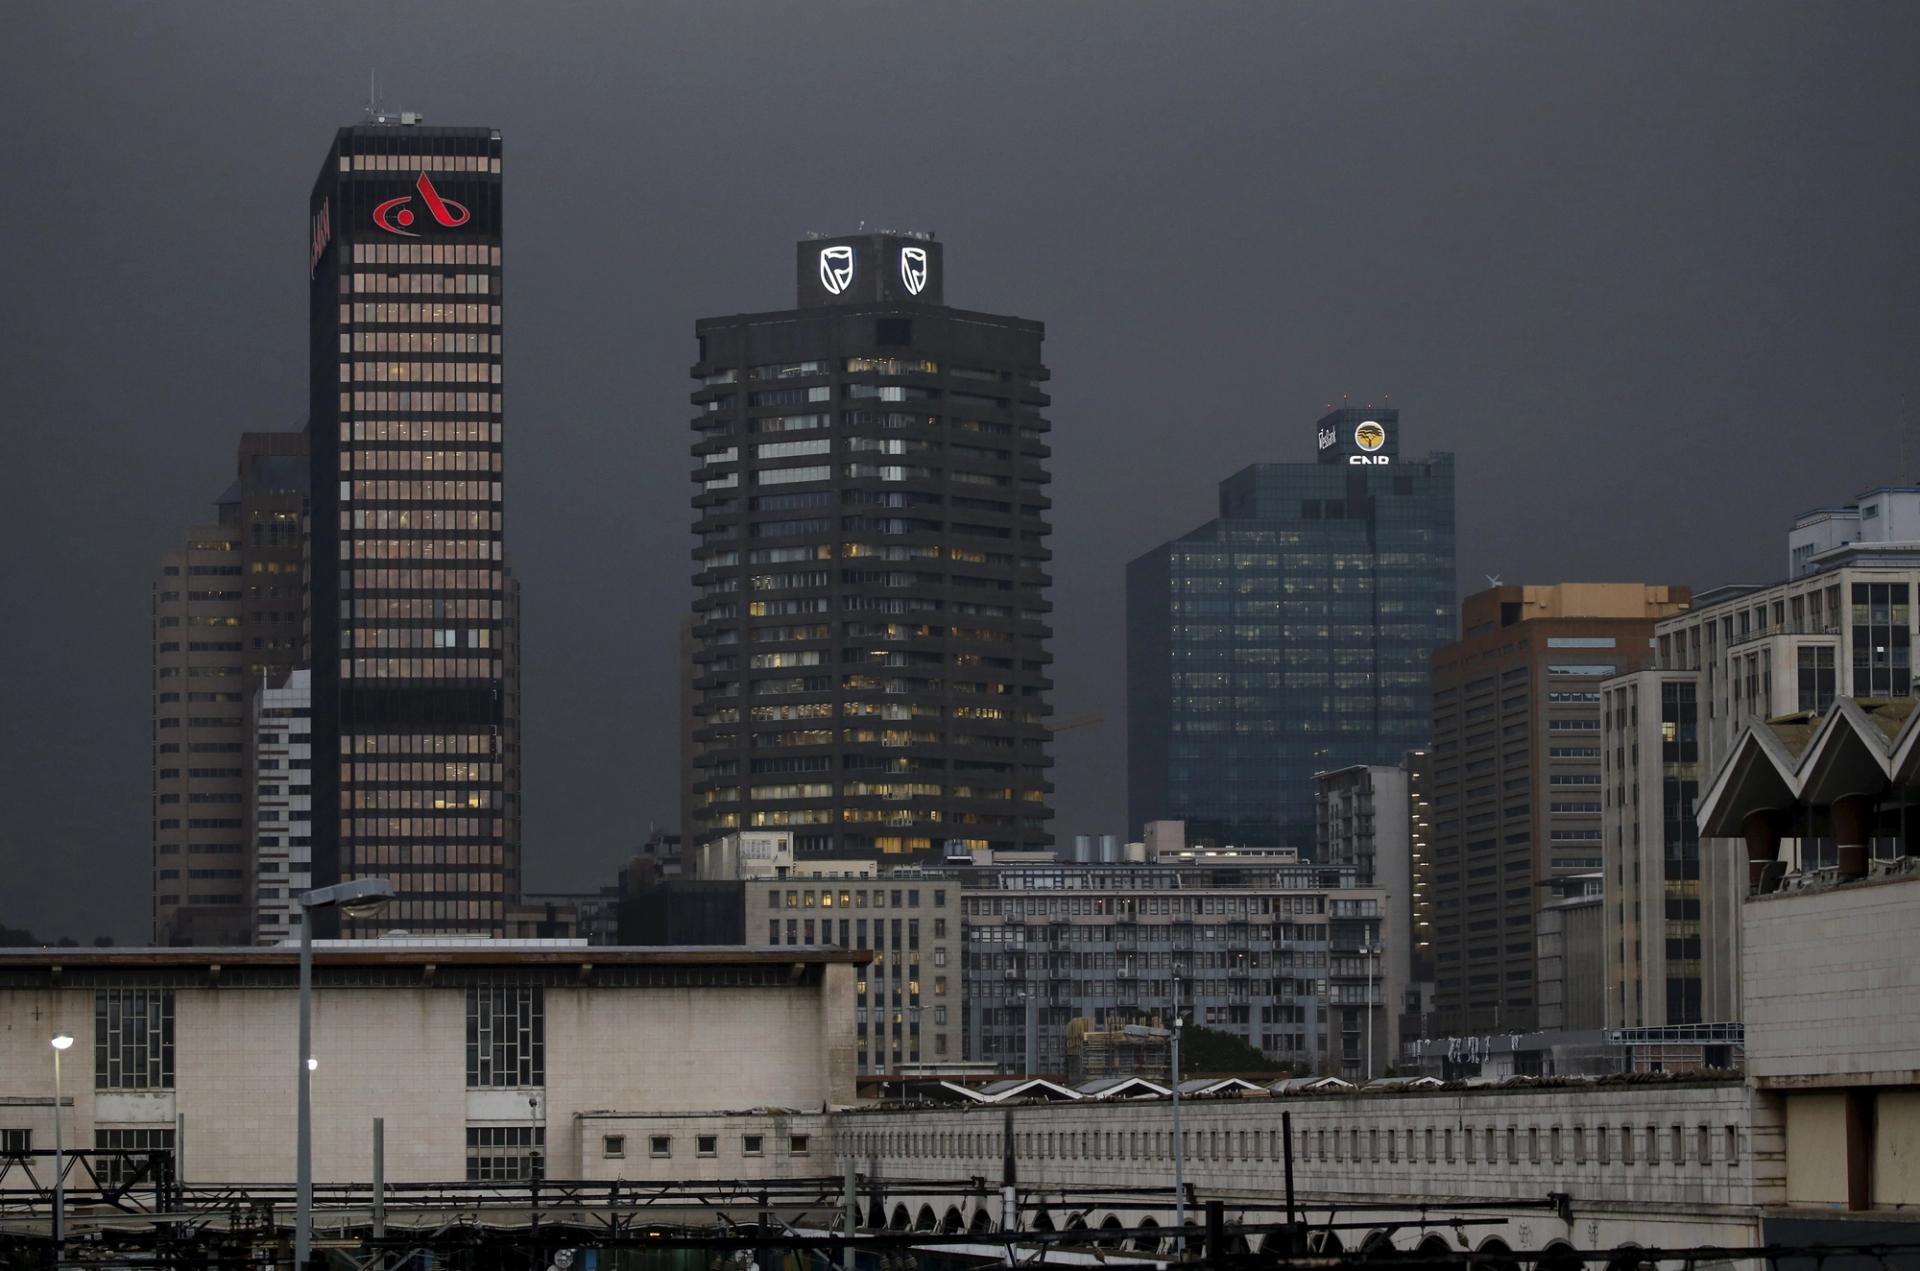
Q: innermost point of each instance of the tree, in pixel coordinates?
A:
(1209, 1050)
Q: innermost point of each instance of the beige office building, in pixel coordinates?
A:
(1515, 788)
(228, 611)
(907, 1005)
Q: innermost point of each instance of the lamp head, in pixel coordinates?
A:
(355, 899)
(61, 1041)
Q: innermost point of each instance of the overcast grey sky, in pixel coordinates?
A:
(1649, 269)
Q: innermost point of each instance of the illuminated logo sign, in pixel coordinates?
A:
(1369, 436)
(836, 268)
(394, 216)
(1327, 437)
(913, 268)
(322, 235)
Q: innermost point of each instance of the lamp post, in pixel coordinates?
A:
(59, 1043)
(1372, 951)
(361, 896)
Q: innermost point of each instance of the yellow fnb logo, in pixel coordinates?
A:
(1369, 436)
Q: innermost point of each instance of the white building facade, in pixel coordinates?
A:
(282, 771)
(1844, 625)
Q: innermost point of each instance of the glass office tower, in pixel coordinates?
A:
(416, 771)
(1289, 636)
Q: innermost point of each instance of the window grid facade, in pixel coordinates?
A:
(505, 1153)
(415, 687)
(506, 1036)
(133, 1039)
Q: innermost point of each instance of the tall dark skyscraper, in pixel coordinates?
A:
(416, 777)
(1289, 636)
(868, 658)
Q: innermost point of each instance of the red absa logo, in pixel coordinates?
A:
(394, 216)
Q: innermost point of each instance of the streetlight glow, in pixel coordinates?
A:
(312, 1063)
(61, 1041)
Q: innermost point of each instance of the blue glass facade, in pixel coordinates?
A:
(1291, 635)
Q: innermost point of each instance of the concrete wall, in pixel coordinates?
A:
(399, 1053)
(1234, 1152)
(1832, 985)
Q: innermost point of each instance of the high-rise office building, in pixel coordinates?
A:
(1514, 779)
(1289, 636)
(868, 651)
(228, 613)
(1842, 625)
(416, 776)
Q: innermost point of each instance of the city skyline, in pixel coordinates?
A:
(1584, 396)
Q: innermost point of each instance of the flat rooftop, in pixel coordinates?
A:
(375, 953)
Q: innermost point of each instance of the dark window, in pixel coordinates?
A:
(893, 331)
(113, 1172)
(506, 1036)
(504, 1153)
(133, 1039)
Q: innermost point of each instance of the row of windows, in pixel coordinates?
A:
(437, 313)
(460, 402)
(660, 1146)
(1512, 1145)
(366, 459)
(420, 668)
(418, 284)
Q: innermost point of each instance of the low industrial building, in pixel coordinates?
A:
(486, 1060)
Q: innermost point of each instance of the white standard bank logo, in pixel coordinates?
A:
(836, 269)
(913, 268)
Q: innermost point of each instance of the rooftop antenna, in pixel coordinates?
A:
(373, 94)
(1493, 580)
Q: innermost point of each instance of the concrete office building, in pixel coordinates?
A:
(1289, 636)
(228, 613)
(1820, 811)
(869, 648)
(908, 1003)
(1364, 819)
(752, 886)
(1516, 778)
(1275, 954)
(1842, 625)
(415, 698)
(1883, 524)
(282, 811)
(1568, 936)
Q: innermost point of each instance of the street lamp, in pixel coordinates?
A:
(59, 1043)
(359, 897)
(1372, 952)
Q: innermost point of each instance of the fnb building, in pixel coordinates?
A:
(416, 766)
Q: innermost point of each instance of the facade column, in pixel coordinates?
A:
(1762, 832)
(1852, 816)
